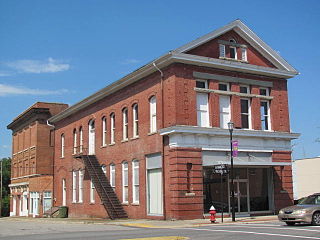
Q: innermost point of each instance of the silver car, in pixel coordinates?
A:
(306, 211)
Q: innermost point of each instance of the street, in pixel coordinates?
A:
(34, 230)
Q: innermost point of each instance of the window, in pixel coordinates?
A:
(245, 113)
(124, 182)
(62, 145)
(244, 89)
(74, 141)
(202, 110)
(265, 116)
(135, 111)
(135, 181)
(225, 113)
(223, 86)
(243, 54)
(222, 50)
(233, 52)
(113, 175)
(125, 124)
(104, 131)
(264, 91)
(81, 140)
(112, 127)
(104, 169)
(92, 196)
(153, 114)
(74, 186)
(81, 173)
(64, 192)
(201, 84)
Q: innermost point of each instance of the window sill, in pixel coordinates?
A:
(111, 144)
(135, 204)
(134, 138)
(152, 133)
(125, 204)
(190, 194)
(92, 203)
(125, 140)
(233, 59)
(62, 157)
(103, 146)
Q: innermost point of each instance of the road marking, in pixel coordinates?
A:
(142, 225)
(159, 238)
(256, 233)
(269, 227)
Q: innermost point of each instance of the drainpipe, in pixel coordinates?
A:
(162, 126)
(53, 195)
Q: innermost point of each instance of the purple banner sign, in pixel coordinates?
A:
(235, 147)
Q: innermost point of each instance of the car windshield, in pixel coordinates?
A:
(312, 200)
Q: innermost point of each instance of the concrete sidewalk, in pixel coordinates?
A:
(145, 223)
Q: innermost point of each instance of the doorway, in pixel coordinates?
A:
(241, 196)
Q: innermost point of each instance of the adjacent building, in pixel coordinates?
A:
(32, 160)
(145, 146)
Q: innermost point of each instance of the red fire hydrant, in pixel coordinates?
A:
(212, 212)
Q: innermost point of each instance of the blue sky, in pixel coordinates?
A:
(63, 51)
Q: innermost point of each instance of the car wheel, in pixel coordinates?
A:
(290, 223)
(316, 219)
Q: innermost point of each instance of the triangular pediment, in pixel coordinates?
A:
(261, 53)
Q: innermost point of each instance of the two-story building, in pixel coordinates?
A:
(32, 160)
(145, 146)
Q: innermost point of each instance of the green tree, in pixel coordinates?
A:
(6, 173)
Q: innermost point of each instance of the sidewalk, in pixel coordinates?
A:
(146, 223)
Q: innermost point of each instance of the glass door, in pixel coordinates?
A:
(241, 196)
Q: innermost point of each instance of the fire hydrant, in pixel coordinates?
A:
(212, 212)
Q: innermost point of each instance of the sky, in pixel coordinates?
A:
(64, 51)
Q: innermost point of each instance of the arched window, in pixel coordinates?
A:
(62, 145)
(135, 120)
(74, 141)
(104, 131)
(135, 181)
(81, 140)
(153, 114)
(125, 182)
(125, 124)
(112, 128)
(113, 175)
(91, 137)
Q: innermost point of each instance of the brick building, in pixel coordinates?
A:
(145, 146)
(32, 160)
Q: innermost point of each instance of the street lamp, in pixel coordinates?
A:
(230, 127)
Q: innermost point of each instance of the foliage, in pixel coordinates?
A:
(6, 173)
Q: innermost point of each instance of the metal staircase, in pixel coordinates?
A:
(101, 183)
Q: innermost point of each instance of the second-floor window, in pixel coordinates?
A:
(62, 145)
(265, 110)
(245, 113)
(81, 140)
(202, 110)
(112, 128)
(153, 114)
(135, 120)
(125, 124)
(74, 141)
(104, 131)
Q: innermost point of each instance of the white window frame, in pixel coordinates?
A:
(267, 91)
(244, 56)
(222, 50)
(268, 116)
(64, 192)
(224, 83)
(205, 82)
(104, 131)
(112, 128)
(246, 86)
(135, 184)
(135, 119)
(203, 112)
(81, 139)
(153, 114)
(235, 52)
(113, 175)
(62, 145)
(248, 114)
(74, 186)
(75, 141)
(125, 124)
(224, 125)
(125, 182)
(92, 193)
(81, 177)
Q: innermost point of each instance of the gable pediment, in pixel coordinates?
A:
(257, 51)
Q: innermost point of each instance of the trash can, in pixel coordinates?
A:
(63, 212)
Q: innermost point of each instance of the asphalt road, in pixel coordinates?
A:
(14, 230)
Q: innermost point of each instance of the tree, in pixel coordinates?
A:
(6, 174)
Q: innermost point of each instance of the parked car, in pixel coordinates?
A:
(306, 211)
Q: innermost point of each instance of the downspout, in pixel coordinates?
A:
(53, 195)
(162, 126)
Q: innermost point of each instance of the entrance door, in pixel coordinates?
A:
(155, 206)
(91, 138)
(241, 196)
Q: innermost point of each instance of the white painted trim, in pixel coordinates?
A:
(228, 149)
(18, 184)
(27, 176)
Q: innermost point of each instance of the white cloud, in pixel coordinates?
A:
(6, 90)
(130, 61)
(5, 74)
(36, 66)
